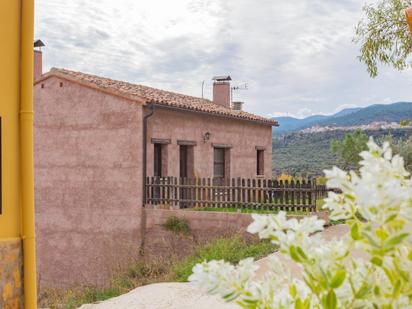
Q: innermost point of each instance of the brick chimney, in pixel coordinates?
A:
(38, 64)
(221, 90)
(38, 59)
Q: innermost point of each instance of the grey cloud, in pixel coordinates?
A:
(295, 55)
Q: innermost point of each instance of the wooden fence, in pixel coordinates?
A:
(238, 193)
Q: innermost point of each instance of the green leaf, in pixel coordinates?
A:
(391, 218)
(301, 253)
(362, 291)
(250, 301)
(395, 240)
(230, 296)
(293, 254)
(292, 290)
(354, 232)
(315, 289)
(377, 261)
(299, 304)
(338, 278)
(376, 290)
(391, 276)
(371, 240)
(396, 288)
(329, 301)
(381, 233)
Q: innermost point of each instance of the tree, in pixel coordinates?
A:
(367, 268)
(349, 148)
(402, 147)
(405, 122)
(384, 35)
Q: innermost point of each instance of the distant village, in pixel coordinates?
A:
(374, 126)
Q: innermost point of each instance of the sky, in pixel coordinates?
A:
(297, 57)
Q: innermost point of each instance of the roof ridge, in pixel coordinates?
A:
(131, 84)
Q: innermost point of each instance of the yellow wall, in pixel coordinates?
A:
(17, 231)
(9, 112)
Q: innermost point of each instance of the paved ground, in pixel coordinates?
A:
(184, 295)
(163, 296)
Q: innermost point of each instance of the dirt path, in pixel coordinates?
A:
(184, 295)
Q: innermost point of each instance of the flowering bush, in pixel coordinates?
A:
(377, 207)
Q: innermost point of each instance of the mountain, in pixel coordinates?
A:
(379, 112)
(394, 112)
(347, 111)
(290, 124)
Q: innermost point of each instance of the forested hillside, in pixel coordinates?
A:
(348, 117)
(310, 154)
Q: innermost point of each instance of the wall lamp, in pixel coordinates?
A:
(206, 137)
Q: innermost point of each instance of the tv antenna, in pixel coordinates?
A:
(242, 86)
(203, 85)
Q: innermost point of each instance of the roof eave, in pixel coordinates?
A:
(193, 110)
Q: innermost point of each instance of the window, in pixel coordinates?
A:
(158, 160)
(260, 156)
(183, 161)
(186, 164)
(219, 163)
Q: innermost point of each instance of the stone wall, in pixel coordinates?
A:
(204, 226)
(200, 222)
(11, 274)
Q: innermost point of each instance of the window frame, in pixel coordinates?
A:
(260, 162)
(157, 160)
(221, 162)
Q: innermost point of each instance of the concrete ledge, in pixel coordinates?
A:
(209, 220)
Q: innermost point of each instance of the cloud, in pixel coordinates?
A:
(344, 106)
(300, 114)
(295, 55)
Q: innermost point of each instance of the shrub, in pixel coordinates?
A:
(349, 148)
(138, 274)
(177, 225)
(154, 270)
(377, 207)
(232, 249)
(403, 147)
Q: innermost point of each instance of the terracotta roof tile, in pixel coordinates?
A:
(152, 95)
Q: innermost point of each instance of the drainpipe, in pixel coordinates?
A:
(145, 119)
(143, 223)
(26, 154)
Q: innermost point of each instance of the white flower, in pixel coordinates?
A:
(377, 204)
(336, 178)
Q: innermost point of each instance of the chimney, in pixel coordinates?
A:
(221, 90)
(38, 59)
(237, 106)
(38, 64)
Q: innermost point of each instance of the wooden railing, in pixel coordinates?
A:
(239, 193)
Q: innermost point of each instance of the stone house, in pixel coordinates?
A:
(96, 139)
